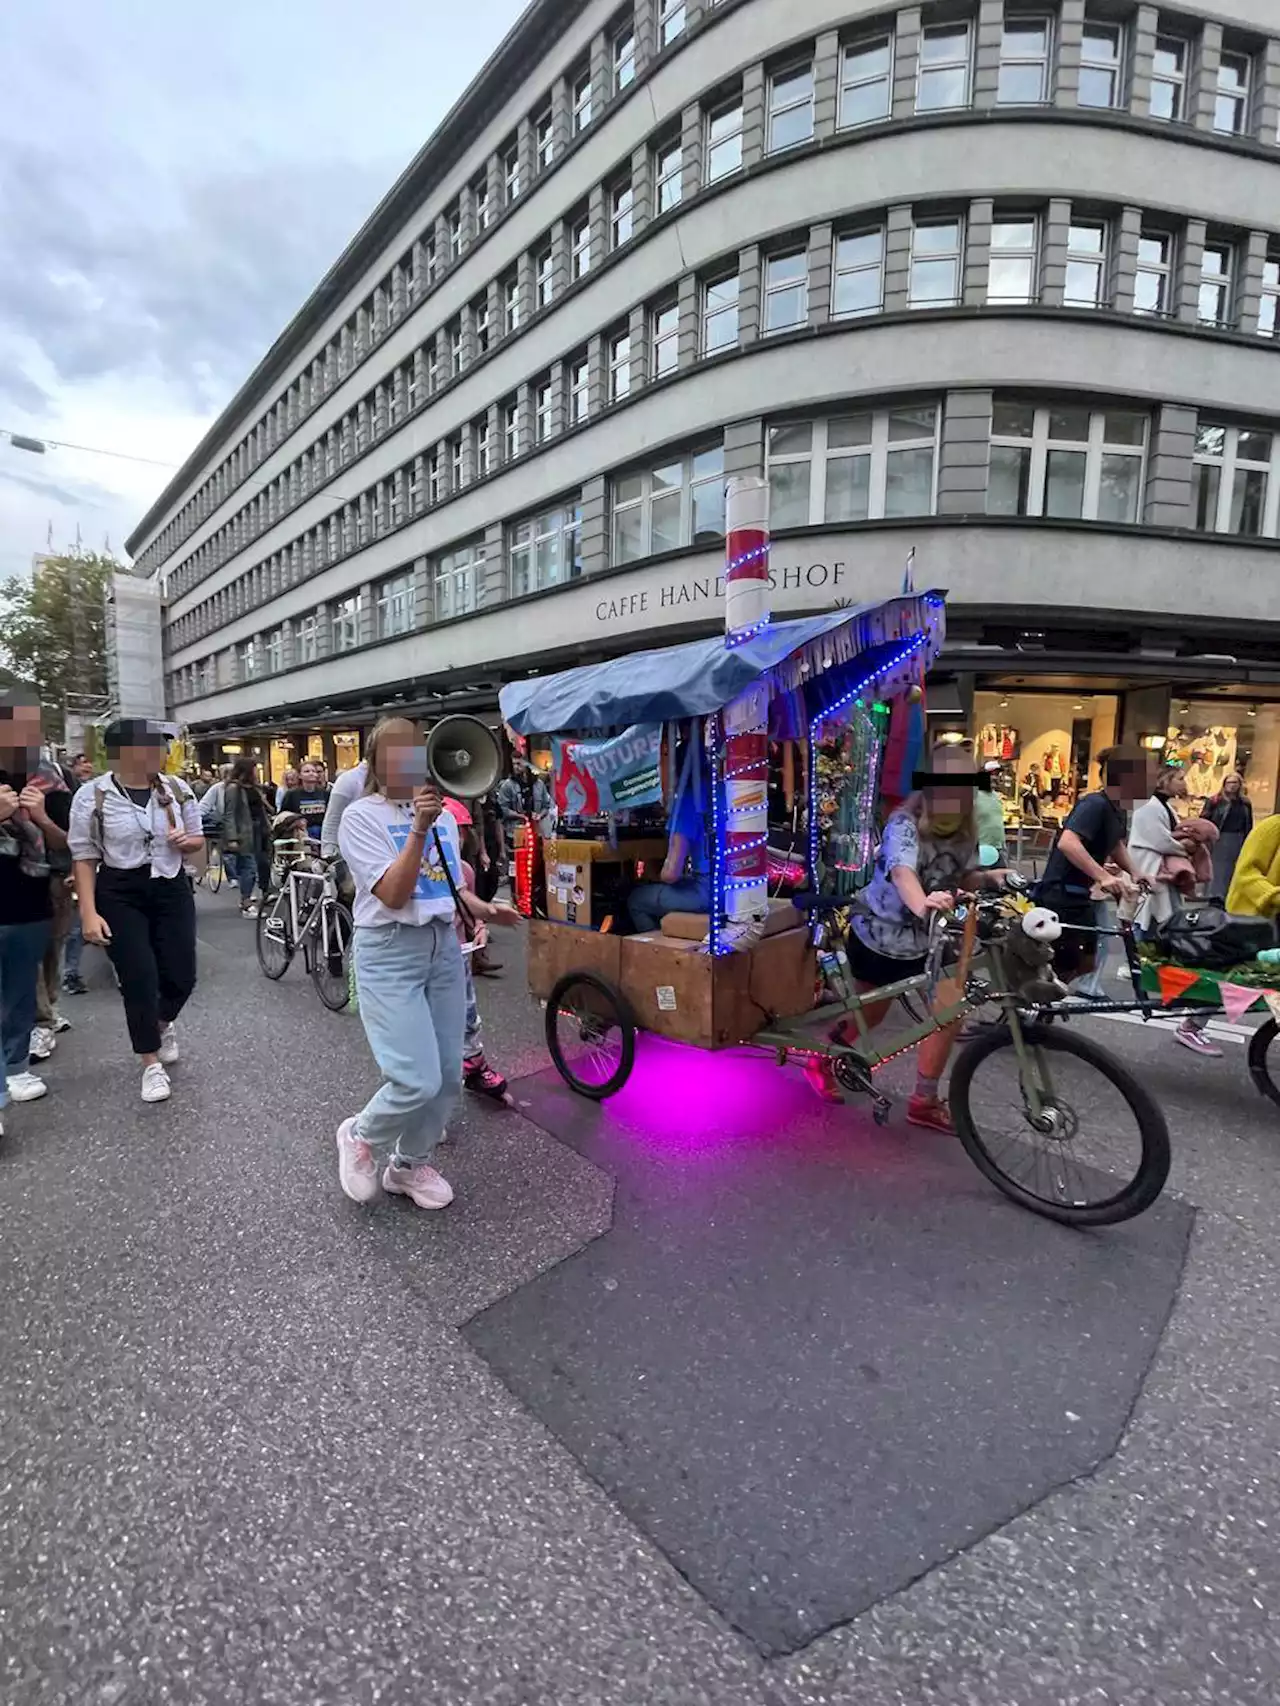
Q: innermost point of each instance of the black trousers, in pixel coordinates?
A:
(153, 947)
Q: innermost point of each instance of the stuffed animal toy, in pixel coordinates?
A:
(1028, 945)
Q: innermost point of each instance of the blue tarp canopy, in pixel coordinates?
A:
(667, 684)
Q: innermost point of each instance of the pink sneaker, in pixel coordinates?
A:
(423, 1184)
(1197, 1042)
(930, 1113)
(357, 1173)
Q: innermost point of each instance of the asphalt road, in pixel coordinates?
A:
(247, 1456)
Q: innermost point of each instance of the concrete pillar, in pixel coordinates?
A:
(598, 383)
(1142, 55)
(1124, 260)
(986, 65)
(595, 525)
(754, 140)
(1167, 496)
(638, 329)
(1187, 281)
(826, 85)
(601, 75)
(1267, 105)
(527, 148)
(897, 257)
(1250, 262)
(749, 328)
(559, 258)
(641, 189)
(906, 59)
(491, 579)
(977, 252)
(599, 215)
(364, 622)
(1070, 38)
(424, 603)
(820, 251)
(561, 114)
(1202, 85)
(690, 152)
(690, 320)
(559, 414)
(744, 447)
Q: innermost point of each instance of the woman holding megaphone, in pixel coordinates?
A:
(401, 847)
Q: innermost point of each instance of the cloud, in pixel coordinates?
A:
(73, 495)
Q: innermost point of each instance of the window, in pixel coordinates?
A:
(484, 447)
(1169, 79)
(1100, 66)
(580, 263)
(542, 412)
(457, 581)
(666, 339)
(483, 205)
(677, 504)
(394, 605)
(510, 305)
(435, 477)
(1152, 286)
(935, 264)
(455, 350)
(249, 660)
(579, 390)
(1012, 276)
(866, 81)
(857, 286)
(1024, 61)
(544, 133)
(1215, 285)
(582, 103)
(670, 172)
(510, 430)
(545, 550)
(790, 108)
(786, 291)
(943, 76)
(1066, 461)
(455, 233)
(456, 465)
(856, 467)
(1234, 475)
(1086, 261)
(480, 320)
(1270, 296)
(671, 17)
(544, 276)
(511, 172)
(619, 366)
(622, 214)
(720, 314)
(275, 651)
(724, 140)
(346, 623)
(1231, 104)
(624, 60)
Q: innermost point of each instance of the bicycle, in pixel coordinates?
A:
(307, 914)
(213, 874)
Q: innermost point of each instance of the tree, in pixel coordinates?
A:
(53, 629)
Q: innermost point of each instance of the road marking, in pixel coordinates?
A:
(1221, 1032)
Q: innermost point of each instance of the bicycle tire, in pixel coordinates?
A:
(1153, 1170)
(333, 992)
(1259, 1045)
(601, 1001)
(267, 916)
(215, 872)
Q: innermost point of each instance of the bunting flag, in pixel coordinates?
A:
(1175, 981)
(1272, 999)
(1237, 999)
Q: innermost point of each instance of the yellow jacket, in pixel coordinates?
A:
(1255, 887)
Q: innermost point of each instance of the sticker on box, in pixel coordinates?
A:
(666, 998)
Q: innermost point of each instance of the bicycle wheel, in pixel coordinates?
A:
(330, 949)
(276, 946)
(215, 872)
(1264, 1060)
(591, 1035)
(1098, 1150)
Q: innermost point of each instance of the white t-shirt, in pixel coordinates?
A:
(344, 792)
(371, 837)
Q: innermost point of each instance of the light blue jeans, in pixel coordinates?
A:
(413, 1003)
(651, 902)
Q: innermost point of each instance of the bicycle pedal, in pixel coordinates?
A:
(881, 1108)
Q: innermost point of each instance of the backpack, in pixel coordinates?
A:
(1209, 936)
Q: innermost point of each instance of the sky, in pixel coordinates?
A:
(175, 178)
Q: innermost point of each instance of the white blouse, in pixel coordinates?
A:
(132, 835)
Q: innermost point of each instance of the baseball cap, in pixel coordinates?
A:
(459, 813)
(133, 731)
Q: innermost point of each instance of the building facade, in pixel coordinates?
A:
(993, 283)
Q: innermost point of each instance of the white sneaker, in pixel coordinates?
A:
(250, 911)
(26, 1087)
(357, 1170)
(43, 1043)
(59, 1023)
(168, 1044)
(155, 1083)
(422, 1184)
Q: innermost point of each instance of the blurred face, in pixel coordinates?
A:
(947, 803)
(1231, 787)
(1129, 780)
(140, 756)
(310, 776)
(1177, 787)
(19, 737)
(402, 762)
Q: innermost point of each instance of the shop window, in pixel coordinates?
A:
(1086, 264)
(859, 467)
(1235, 480)
(545, 550)
(942, 80)
(1012, 276)
(1169, 79)
(457, 578)
(1101, 66)
(1066, 461)
(394, 605)
(937, 248)
(857, 284)
(866, 81)
(1025, 57)
(678, 503)
(786, 291)
(1153, 283)
(790, 108)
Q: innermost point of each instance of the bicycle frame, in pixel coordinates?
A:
(308, 913)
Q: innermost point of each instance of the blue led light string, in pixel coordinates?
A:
(717, 835)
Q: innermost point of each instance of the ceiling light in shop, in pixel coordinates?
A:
(1004, 704)
(1252, 711)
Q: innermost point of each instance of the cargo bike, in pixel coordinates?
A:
(1052, 1119)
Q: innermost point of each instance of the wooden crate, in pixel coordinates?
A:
(674, 988)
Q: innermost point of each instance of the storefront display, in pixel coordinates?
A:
(1211, 740)
(1039, 748)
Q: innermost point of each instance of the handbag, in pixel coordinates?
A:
(1208, 935)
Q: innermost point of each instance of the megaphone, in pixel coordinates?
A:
(464, 757)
